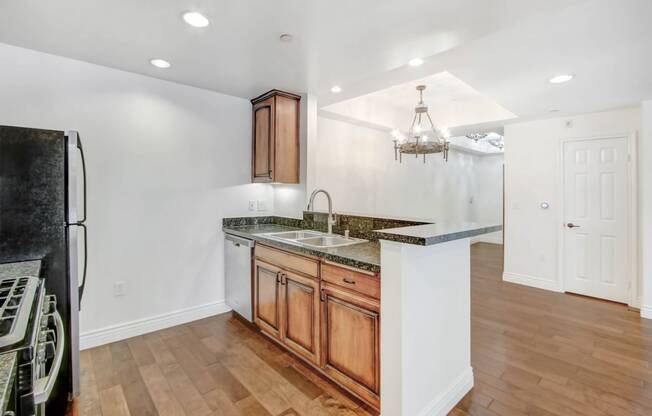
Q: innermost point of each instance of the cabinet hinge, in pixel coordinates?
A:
(322, 295)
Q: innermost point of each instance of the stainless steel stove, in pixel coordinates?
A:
(16, 298)
(31, 326)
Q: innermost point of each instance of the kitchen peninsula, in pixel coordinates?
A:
(423, 338)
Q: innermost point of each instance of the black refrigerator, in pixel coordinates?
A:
(42, 215)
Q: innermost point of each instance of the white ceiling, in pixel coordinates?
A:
(505, 49)
(450, 103)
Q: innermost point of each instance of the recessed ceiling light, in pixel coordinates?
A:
(415, 62)
(559, 79)
(285, 37)
(335, 89)
(195, 19)
(160, 63)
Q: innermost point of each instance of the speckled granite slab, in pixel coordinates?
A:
(22, 268)
(365, 256)
(441, 232)
(7, 375)
(358, 226)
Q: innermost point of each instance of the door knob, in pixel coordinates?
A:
(571, 225)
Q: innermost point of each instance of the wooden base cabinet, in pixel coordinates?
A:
(267, 298)
(351, 341)
(286, 307)
(300, 302)
(326, 314)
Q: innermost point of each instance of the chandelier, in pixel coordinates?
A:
(423, 137)
(499, 142)
(476, 137)
(494, 139)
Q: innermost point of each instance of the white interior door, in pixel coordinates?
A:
(596, 210)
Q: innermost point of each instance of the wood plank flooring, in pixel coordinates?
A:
(534, 353)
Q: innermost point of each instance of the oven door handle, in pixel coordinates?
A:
(44, 386)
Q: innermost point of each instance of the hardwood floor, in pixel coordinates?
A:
(534, 353)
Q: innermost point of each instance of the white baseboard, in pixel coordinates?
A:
(446, 401)
(126, 330)
(532, 281)
(646, 311)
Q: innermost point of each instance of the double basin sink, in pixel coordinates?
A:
(314, 239)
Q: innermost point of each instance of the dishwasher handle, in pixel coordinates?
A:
(239, 241)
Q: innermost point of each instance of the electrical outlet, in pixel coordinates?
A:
(262, 205)
(252, 205)
(119, 288)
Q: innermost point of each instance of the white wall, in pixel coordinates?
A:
(165, 163)
(645, 207)
(532, 175)
(356, 165)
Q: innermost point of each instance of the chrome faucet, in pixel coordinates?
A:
(331, 219)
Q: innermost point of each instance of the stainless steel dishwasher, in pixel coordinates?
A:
(238, 267)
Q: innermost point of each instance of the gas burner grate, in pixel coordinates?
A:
(16, 299)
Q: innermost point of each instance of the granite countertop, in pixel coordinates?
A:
(21, 268)
(7, 375)
(365, 256)
(440, 232)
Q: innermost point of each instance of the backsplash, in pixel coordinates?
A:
(358, 226)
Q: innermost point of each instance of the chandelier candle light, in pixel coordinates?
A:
(421, 139)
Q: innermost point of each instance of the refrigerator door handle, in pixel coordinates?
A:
(75, 145)
(83, 282)
(83, 165)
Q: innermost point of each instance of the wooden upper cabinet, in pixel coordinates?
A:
(275, 152)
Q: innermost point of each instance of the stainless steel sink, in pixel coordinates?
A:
(294, 235)
(328, 241)
(314, 239)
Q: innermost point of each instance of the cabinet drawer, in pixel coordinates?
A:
(287, 260)
(366, 284)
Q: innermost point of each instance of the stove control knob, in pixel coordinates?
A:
(49, 350)
(40, 353)
(49, 306)
(48, 335)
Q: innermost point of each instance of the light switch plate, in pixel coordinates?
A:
(119, 288)
(252, 205)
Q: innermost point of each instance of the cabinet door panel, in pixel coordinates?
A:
(263, 151)
(267, 298)
(286, 139)
(301, 315)
(351, 341)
